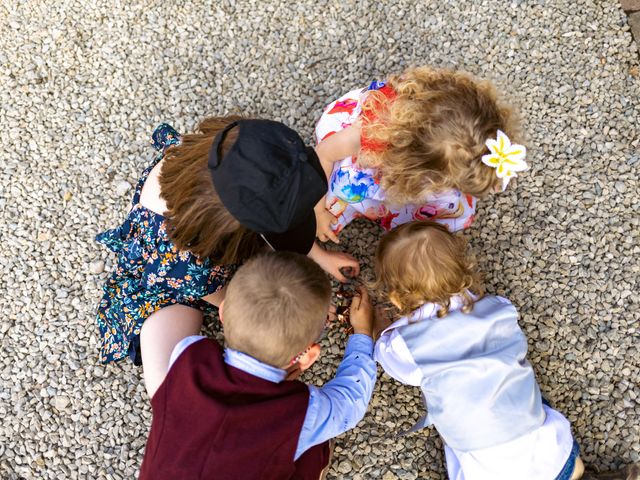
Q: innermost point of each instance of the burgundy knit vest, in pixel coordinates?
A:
(214, 421)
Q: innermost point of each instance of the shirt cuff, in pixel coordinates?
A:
(359, 342)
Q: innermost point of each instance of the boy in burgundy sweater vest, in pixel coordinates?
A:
(240, 412)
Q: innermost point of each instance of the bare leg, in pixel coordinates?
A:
(160, 333)
(578, 470)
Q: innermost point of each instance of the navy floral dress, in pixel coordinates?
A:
(151, 272)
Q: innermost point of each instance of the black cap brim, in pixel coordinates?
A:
(298, 239)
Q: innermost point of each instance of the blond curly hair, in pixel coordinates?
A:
(434, 134)
(421, 262)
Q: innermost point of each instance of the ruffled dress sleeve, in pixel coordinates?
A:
(164, 136)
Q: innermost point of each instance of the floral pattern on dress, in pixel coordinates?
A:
(151, 272)
(355, 192)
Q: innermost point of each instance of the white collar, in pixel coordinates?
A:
(428, 311)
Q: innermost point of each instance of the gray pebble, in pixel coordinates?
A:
(122, 188)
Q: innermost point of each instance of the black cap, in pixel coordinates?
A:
(270, 182)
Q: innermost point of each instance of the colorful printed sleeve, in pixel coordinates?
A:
(339, 115)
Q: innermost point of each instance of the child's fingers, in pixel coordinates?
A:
(332, 313)
(332, 236)
(382, 316)
(364, 294)
(350, 271)
(356, 302)
(355, 266)
(339, 276)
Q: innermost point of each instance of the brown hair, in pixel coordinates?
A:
(275, 306)
(196, 218)
(422, 262)
(434, 134)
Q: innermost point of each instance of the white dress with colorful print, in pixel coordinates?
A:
(355, 192)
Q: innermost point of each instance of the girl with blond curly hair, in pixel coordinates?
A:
(421, 146)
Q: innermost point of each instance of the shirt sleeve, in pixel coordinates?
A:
(341, 403)
(393, 355)
(450, 208)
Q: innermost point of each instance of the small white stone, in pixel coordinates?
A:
(122, 187)
(96, 267)
(60, 402)
(620, 187)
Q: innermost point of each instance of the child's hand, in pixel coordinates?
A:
(333, 262)
(337, 261)
(332, 314)
(361, 313)
(324, 220)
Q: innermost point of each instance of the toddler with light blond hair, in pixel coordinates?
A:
(421, 146)
(468, 354)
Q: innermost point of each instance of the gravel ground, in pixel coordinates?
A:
(82, 87)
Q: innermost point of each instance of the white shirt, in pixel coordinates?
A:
(539, 455)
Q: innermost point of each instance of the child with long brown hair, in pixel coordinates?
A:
(208, 202)
(420, 146)
(467, 353)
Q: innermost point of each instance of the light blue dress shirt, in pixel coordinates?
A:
(335, 407)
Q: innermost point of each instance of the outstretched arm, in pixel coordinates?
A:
(341, 403)
(159, 335)
(334, 148)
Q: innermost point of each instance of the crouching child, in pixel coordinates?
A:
(239, 411)
(468, 354)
